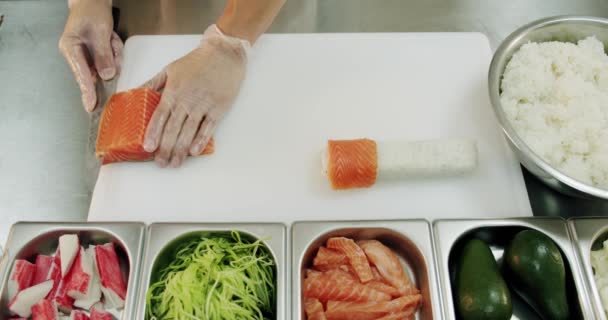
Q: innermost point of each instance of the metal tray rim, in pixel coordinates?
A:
(585, 231)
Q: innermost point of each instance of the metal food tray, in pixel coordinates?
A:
(410, 239)
(167, 236)
(28, 239)
(589, 234)
(451, 234)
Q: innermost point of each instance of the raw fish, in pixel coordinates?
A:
(369, 310)
(388, 264)
(327, 259)
(340, 285)
(351, 163)
(123, 126)
(314, 309)
(355, 255)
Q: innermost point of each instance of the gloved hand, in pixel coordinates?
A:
(197, 90)
(90, 46)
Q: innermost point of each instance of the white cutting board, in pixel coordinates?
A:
(302, 89)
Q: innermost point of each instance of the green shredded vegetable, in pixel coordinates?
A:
(215, 278)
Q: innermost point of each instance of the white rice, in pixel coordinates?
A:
(556, 96)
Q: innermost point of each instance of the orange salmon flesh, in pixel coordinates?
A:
(352, 163)
(358, 280)
(123, 126)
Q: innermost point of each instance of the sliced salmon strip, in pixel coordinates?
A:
(123, 126)
(387, 263)
(340, 285)
(369, 310)
(327, 259)
(347, 268)
(352, 163)
(314, 309)
(356, 256)
(411, 289)
(378, 285)
(344, 267)
(398, 316)
(377, 275)
(383, 287)
(313, 273)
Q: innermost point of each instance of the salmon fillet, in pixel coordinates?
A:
(314, 309)
(370, 310)
(352, 163)
(340, 285)
(388, 264)
(355, 255)
(123, 126)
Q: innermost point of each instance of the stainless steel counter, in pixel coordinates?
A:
(42, 127)
(44, 130)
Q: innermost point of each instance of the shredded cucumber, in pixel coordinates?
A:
(215, 278)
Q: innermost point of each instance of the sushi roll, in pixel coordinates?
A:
(361, 163)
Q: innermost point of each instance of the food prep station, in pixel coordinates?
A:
(426, 250)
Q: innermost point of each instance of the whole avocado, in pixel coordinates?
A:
(535, 268)
(481, 292)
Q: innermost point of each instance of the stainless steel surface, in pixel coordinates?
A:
(43, 166)
(451, 234)
(166, 236)
(28, 239)
(589, 234)
(565, 28)
(410, 239)
(42, 124)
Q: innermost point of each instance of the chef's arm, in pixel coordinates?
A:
(248, 19)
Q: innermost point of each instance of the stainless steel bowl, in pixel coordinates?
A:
(450, 236)
(411, 240)
(563, 28)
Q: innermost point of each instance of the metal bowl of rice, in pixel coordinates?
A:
(568, 29)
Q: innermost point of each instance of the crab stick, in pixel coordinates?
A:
(64, 302)
(87, 292)
(112, 284)
(23, 302)
(69, 245)
(360, 163)
(78, 315)
(21, 277)
(100, 315)
(54, 274)
(43, 265)
(45, 310)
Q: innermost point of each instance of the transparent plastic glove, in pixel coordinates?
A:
(90, 46)
(197, 90)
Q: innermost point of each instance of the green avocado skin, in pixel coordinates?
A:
(481, 291)
(535, 269)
